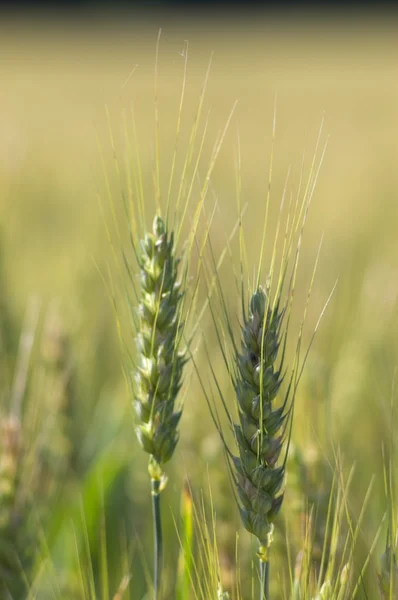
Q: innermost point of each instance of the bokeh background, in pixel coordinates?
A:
(66, 81)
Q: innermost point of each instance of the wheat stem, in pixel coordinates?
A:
(263, 556)
(157, 536)
(264, 569)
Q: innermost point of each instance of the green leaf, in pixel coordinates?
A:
(185, 560)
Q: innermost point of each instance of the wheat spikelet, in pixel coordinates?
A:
(259, 433)
(222, 595)
(15, 538)
(310, 495)
(58, 391)
(388, 575)
(9, 471)
(9, 463)
(157, 378)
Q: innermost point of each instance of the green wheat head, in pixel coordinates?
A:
(259, 433)
(158, 376)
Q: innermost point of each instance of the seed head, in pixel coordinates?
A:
(259, 433)
(158, 374)
(388, 574)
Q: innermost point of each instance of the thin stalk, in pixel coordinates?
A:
(157, 536)
(264, 579)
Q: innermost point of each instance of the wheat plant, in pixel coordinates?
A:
(158, 375)
(160, 282)
(260, 417)
(259, 432)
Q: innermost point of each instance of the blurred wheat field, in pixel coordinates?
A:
(63, 86)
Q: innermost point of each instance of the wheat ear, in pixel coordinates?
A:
(259, 432)
(158, 374)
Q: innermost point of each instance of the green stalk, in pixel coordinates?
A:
(157, 536)
(264, 576)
